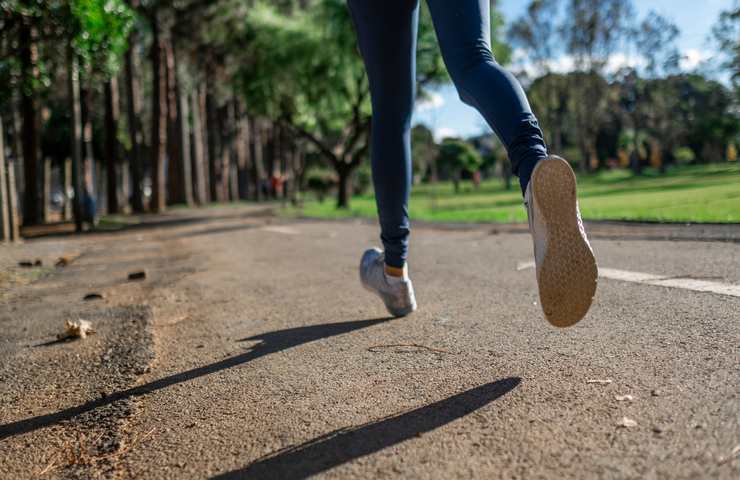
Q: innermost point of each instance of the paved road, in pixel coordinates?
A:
(251, 351)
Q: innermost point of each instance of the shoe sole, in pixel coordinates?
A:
(395, 313)
(405, 312)
(568, 274)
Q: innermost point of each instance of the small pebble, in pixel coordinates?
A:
(626, 423)
(140, 275)
(62, 262)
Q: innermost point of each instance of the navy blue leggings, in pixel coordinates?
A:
(387, 30)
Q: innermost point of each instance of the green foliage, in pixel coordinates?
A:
(320, 181)
(303, 67)
(684, 155)
(726, 33)
(363, 179)
(97, 30)
(594, 29)
(423, 149)
(535, 31)
(100, 32)
(655, 40)
(459, 156)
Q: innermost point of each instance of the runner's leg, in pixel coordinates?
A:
(386, 30)
(463, 29)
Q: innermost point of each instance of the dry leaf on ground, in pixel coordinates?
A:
(76, 329)
(626, 423)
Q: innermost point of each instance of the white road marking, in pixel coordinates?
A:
(660, 280)
(524, 265)
(283, 230)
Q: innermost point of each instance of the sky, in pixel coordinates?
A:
(447, 116)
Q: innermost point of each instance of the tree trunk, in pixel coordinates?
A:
(233, 138)
(46, 190)
(32, 200)
(200, 162)
(111, 144)
(345, 186)
(14, 218)
(100, 180)
(212, 138)
(182, 129)
(67, 188)
(585, 153)
(227, 143)
(258, 169)
(286, 160)
(223, 187)
(20, 180)
(557, 137)
(269, 155)
(4, 204)
(159, 119)
(242, 152)
(73, 84)
(132, 114)
(175, 175)
(88, 161)
(299, 168)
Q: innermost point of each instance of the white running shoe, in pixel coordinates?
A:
(397, 294)
(566, 266)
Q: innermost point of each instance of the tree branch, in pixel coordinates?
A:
(359, 125)
(311, 139)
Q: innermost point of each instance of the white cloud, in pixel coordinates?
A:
(620, 60)
(444, 132)
(432, 101)
(566, 63)
(692, 58)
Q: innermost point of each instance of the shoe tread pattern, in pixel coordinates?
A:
(568, 274)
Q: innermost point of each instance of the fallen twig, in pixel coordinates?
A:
(735, 452)
(377, 348)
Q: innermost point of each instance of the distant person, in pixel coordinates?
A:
(566, 267)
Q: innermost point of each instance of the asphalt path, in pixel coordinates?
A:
(251, 351)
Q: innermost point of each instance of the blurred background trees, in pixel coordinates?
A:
(116, 106)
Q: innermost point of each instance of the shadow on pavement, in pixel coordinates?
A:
(145, 221)
(270, 342)
(344, 445)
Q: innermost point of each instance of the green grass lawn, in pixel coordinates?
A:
(703, 193)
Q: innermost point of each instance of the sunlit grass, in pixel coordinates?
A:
(705, 193)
